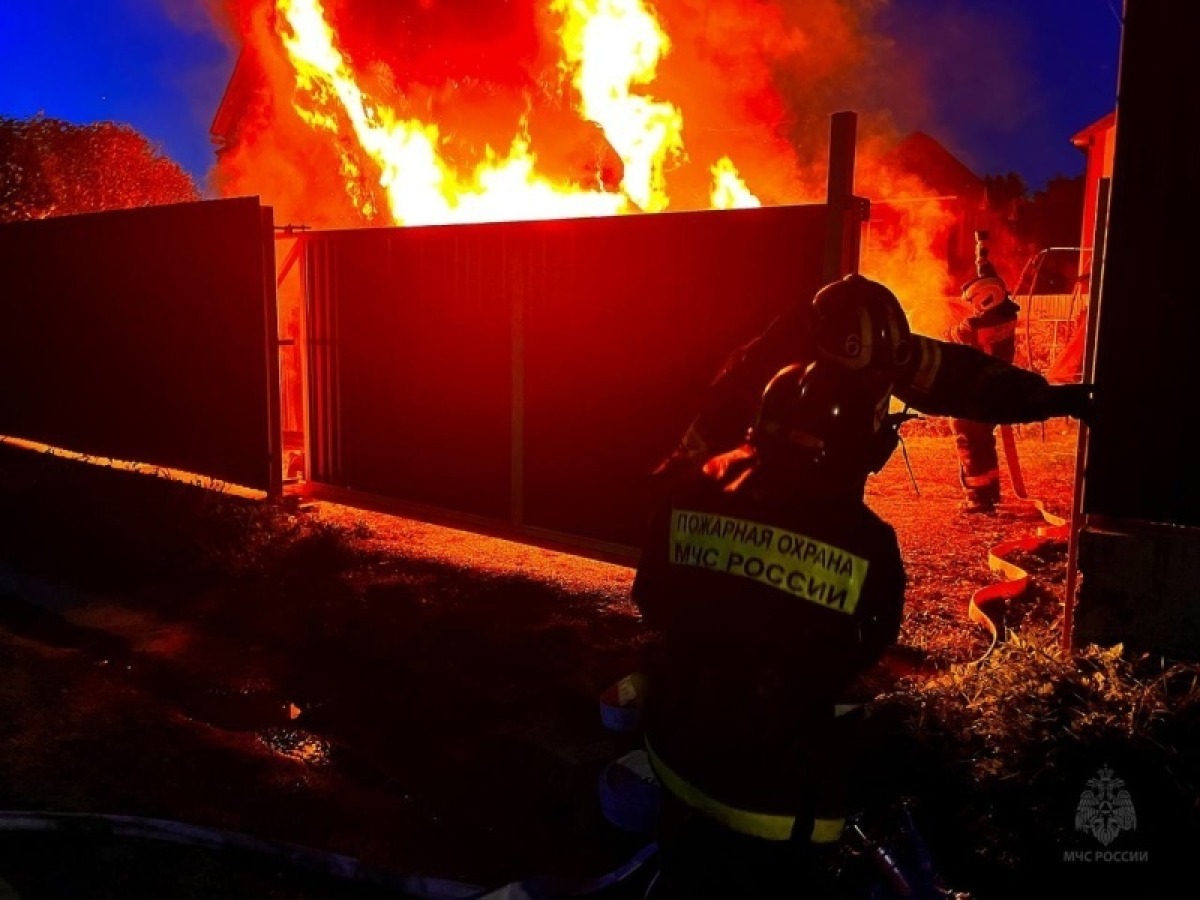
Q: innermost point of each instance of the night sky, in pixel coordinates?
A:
(162, 67)
(1011, 80)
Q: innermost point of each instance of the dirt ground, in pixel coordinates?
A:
(946, 549)
(419, 698)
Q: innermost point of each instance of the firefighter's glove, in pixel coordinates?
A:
(1075, 400)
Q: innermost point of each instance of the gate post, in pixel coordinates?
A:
(271, 312)
(843, 234)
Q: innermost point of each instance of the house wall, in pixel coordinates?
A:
(1099, 143)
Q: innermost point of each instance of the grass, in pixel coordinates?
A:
(100, 527)
(1002, 750)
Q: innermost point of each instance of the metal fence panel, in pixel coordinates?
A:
(534, 372)
(145, 335)
(410, 367)
(624, 330)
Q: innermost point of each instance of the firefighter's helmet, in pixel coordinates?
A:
(824, 417)
(859, 324)
(984, 293)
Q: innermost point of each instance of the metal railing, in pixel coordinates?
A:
(1056, 310)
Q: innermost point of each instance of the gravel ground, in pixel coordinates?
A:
(945, 549)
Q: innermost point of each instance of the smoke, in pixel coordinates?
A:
(968, 65)
(193, 17)
(271, 152)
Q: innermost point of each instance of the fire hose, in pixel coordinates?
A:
(989, 604)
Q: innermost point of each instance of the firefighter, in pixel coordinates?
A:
(989, 325)
(859, 325)
(771, 592)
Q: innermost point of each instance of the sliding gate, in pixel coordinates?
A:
(533, 373)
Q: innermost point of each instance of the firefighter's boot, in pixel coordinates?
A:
(982, 491)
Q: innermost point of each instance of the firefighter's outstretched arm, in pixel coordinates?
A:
(946, 379)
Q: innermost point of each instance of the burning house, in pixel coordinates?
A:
(432, 114)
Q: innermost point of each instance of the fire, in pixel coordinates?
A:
(898, 244)
(608, 48)
(411, 112)
(729, 191)
(612, 45)
(422, 188)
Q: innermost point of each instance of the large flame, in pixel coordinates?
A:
(608, 47)
(613, 45)
(412, 112)
(421, 186)
(729, 190)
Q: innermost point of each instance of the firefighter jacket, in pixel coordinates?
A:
(765, 600)
(993, 331)
(940, 379)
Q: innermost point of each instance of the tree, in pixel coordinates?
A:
(1034, 221)
(49, 167)
(1006, 194)
(1054, 217)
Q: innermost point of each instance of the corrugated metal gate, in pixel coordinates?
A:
(145, 335)
(534, 372)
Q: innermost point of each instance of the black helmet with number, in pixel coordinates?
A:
(820, 418)
(859, 324)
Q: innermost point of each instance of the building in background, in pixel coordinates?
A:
(1097, 142)
(950, 183)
